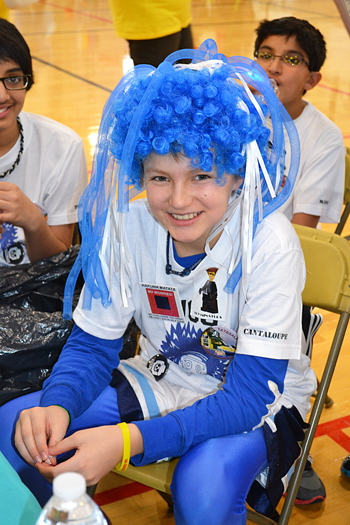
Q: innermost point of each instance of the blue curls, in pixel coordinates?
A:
(194, 111)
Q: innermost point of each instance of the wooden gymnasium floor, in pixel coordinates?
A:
(78, 60)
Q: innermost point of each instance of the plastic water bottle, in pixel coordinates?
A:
(70, 503)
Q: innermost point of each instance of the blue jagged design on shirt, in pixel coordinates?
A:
(183, 346)
(9, 236)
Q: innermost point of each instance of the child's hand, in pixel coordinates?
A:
(17, 209)
(98, 451)
(37, 429)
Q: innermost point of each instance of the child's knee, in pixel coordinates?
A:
(205, 510)
(203, 495)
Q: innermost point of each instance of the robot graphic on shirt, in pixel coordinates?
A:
(210, 293)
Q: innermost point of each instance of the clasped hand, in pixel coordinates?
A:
(40, 433)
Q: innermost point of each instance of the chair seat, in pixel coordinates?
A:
(156, 475)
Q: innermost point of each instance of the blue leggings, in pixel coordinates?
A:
(210, 482)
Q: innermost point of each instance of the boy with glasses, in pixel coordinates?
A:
(42, 165)
(292, 52)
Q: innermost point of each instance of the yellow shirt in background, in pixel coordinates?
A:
(4, 10)
(146, 19)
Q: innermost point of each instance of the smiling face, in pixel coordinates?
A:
(11, 102)
(292, 81)
(188, 202)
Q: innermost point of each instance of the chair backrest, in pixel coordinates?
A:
(327, 258)
(347, 177)
(346, 196)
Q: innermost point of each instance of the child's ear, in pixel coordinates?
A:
(313, 80)
(238, 182)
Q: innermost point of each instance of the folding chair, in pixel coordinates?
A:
(346, 198)
(327, 259)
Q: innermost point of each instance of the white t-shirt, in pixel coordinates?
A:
(319, 187)
(52, 172)
(173, 312)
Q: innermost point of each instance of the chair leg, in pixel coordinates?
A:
(314, 417)
(343, 219)
(91, 490)
(167, 497)
(328, 403)
(259, 518)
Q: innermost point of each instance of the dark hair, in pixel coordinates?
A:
(308, 37)
(14, 47)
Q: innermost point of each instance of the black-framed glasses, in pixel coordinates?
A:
(16, 82)
(294, 59)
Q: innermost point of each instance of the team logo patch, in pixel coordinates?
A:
(161, 302)
(219, 342)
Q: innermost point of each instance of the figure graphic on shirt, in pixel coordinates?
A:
(209, 293)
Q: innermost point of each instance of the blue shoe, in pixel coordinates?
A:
(345, 467)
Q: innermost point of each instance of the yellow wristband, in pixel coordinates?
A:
(123, 465)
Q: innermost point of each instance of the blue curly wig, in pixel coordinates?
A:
(205, 110)
(197, 112)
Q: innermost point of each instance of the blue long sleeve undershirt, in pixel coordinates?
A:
(84, 370)
(237, 408)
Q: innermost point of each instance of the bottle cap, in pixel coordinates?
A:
(69, 485)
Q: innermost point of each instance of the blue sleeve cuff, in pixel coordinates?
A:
(159, 434)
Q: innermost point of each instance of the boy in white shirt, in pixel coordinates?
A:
(42, 165)
(292, 51)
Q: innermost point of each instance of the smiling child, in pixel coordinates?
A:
(42, 165)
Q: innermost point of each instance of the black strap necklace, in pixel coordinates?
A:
(185, 271)
(20, 153)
